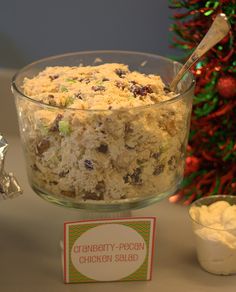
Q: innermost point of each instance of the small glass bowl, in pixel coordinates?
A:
(159, 135)
(215, 246)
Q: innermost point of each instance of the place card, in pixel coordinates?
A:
(109, 250)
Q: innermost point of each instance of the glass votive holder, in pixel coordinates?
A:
(214, 226)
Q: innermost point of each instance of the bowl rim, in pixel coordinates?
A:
(217, 197)
(177, 97)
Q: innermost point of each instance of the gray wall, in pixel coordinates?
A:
(32, 29)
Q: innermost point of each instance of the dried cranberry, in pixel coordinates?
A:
(134, 178)
(140, 90)
(88, 164)
(159, 169)
(145, 90)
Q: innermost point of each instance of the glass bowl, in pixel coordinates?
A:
(214, 228)
(145, 146)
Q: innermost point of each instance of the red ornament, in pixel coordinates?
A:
(226, 86)
(192, 164)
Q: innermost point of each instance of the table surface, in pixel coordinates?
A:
(31, 229)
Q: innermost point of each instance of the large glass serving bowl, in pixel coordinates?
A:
(145, 146)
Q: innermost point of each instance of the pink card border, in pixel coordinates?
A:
(111, 220)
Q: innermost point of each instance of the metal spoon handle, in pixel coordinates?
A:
(218, 30)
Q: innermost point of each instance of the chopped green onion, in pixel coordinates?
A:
(70, 80)
(64, 128)
(63, 89)
(69, 101)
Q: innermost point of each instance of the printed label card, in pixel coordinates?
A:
(109, 250)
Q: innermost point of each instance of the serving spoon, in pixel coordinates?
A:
(217, 31)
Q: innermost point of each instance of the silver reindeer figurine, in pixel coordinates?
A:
(9, 187)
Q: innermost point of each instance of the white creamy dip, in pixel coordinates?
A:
(215, 230)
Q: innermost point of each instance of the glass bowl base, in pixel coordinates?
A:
(111, 206)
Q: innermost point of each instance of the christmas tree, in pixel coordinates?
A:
(211, 156)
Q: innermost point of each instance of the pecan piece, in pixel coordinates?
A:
(123, 197)
(55, 124)
(98, 88)
(42, 146)
(156, 155)
(103, 148)
(120, 72)
(63, 173)
(53, 77)
(70, 194)
(120, 85)
(92, 196)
